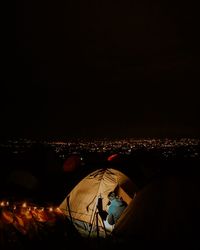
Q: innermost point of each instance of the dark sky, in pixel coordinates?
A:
(100, 68)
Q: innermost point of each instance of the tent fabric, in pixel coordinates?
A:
(72, 163)
(81, 203)
(23, 226)
(166, 209)
(22, 178)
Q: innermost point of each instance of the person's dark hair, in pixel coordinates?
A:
(111, 195)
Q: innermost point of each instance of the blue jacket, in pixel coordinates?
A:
(115, 210)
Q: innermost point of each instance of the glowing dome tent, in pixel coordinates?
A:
(81, 203)
(72, 163)
(113, 157)
(22, 178)
(23, 224)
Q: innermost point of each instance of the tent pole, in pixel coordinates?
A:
(104, 226)
(97, 224)
(92, 222)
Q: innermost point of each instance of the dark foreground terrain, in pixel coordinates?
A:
(165, 214)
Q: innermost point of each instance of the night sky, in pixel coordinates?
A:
(100, 68)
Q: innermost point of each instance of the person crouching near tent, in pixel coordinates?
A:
(115, 209)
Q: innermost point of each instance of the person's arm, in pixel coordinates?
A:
(110, 219)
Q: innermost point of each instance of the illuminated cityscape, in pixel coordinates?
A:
(122, 146)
